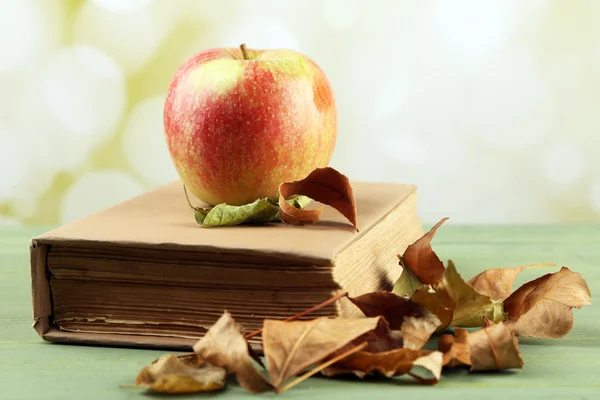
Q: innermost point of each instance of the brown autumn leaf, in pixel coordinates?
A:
(456, 303)
(494, 348)
(423, 365)
(487, 323)
(471, 306)
(382, 338)
(388, 305)
(422, 261)
(439, 302)
(224, 345)
(497, 282)
(169, 374)
(455, 348)
(291, 347)
(416, 331)
(325, 185)
(407, 283)
(296, 216)
(542, 308)
(415, 323)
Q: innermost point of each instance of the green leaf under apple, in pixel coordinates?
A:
(325, 185)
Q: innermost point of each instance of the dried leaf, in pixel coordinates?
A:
(487, 323)
(382, 338)
(322, 366)
(295, 216)
(455, 348)
(420, 258)
(169, 374)
(299, 201)
(407, 283)
(438, 302)
(494, 348)
(325, 185)
(388, 305)
(471, 306)
(291, 347)
(294, 203)
(423, 365)
(416, 331)
(415, 323)
(224, 345)
(304, 313)
(457, 304)
(543, 307)
(428, 369)
(497, 282)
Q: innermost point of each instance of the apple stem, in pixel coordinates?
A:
(244, 51)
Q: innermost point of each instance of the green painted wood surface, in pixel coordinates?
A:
(567, 368)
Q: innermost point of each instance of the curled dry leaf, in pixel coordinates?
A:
(543, 307)
(497, 282)
(471, 306)
(494, 348)
(423, 365)
(169, 374)
(322, 366)
(293, 212)
(388, 305)
(296, 216)
(422, 261)
(415, 323)
(455, 348)
(487, 323)
(291, 347)
(416, 331)
(325, 185)
(224, 345)
(407, 283)
(439, 302)
(382, 338)
(456, 303)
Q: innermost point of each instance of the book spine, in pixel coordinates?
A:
(40, 288)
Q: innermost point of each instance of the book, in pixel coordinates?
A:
(142, 273)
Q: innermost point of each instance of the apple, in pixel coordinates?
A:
(238, 122)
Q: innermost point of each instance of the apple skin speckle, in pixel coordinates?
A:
(237, 128)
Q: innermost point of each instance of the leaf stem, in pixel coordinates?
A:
(293, 317)
(244, 51)
(186, 355)
(128, 386)
(321, 367)
(188, 198)
(305, 312)
(493, 349)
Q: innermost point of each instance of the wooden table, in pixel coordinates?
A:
(567, 368)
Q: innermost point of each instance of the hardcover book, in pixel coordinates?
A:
(143, 274)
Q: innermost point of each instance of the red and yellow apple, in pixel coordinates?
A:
(238, 122)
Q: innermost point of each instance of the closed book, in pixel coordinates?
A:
(143, 274)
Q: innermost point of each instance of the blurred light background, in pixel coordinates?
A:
(490, 107)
